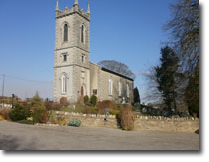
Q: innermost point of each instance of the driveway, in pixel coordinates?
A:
(14, 136)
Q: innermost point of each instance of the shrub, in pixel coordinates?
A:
(37, 102)
(125, 118)
(75, 123)
(30, 118)
(64, 101)
(19, 113)
(43, 117)
(84, 109)
(40, 115)
(62, 122)
(52, 106)
(1, 118)
(93, 100)
(52, 117)
(106, 104)
(86, 99)
(4, 113)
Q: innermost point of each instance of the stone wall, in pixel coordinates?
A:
(140, 122)
(166, 124)
(90, 120)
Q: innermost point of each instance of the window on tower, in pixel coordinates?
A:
(64, 57)
(82, 33)
(65, 33)
(83, 58)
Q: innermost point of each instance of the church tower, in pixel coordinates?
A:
(71, 60)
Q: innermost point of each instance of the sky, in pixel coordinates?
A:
(128, 31)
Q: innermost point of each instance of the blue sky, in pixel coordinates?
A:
(129, 31)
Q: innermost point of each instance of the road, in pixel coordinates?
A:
(14, 136)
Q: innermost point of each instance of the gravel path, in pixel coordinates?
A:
(14, 136)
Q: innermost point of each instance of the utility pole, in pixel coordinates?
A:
(3, 85)
(3, 92)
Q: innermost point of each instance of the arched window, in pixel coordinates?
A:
(65, 33)
(82, 33)
(110, 87)
(64, 83)
(128, 91)
(119, 88)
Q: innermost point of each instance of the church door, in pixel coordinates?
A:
(82, 91)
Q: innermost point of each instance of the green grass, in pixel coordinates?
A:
(114, 112)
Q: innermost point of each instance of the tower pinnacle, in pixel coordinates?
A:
(57, 6)
(88, 9)
(76, 2)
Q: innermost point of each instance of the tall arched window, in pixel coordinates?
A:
(110, 87)
(119, 88)
(64, 83)
(82, 33)
(128, 91)
(65, 33)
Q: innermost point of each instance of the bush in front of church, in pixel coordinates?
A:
(50, 105)
(40, 115)
(86, 99)
(64, 101)
(106, 104)
(125, 117)
(93, 100)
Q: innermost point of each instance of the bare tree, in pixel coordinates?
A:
(152, 94)
(118, 67)
(184, 30)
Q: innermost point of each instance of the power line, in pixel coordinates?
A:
(17, 78)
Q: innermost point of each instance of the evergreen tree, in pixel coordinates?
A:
(37, 102)
(192, 93)
(136, 96)
(166, 75)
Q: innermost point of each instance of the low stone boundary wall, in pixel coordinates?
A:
(90, 120)
(164, 118)
(160, 123)
(140, 122)
(167, 125)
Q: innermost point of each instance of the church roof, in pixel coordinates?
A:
(113, 72)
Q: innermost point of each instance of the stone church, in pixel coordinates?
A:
(74, 75)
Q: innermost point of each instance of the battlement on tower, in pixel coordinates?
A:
(73, 10)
